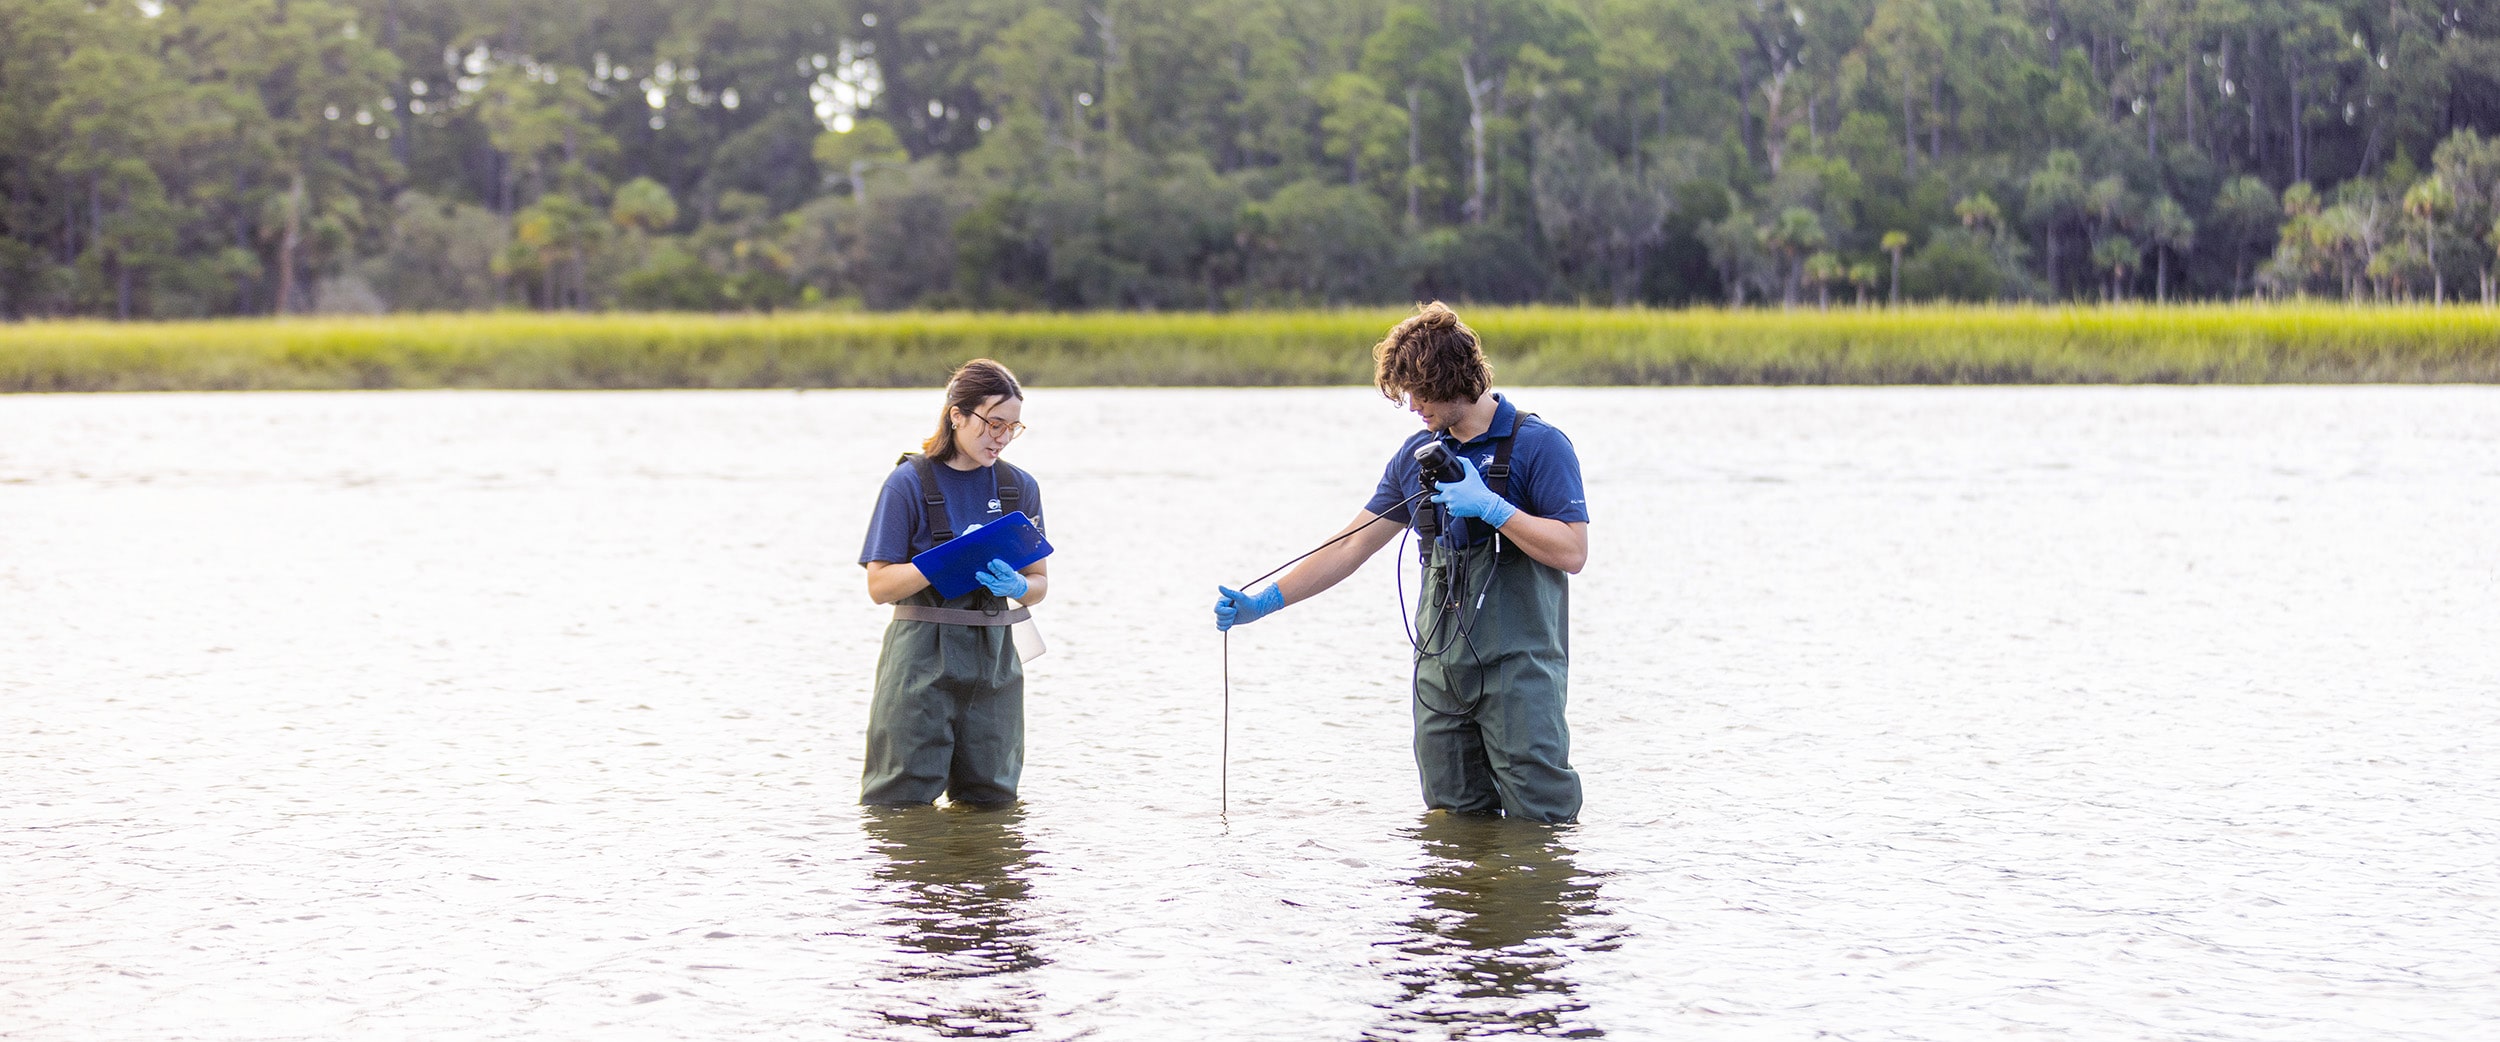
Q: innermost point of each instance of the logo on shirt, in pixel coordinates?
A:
(993, 506)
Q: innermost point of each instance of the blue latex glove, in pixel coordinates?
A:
(1470, 498)
(1235, 608)
(997, 578)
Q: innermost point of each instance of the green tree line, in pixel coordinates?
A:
(164, 158)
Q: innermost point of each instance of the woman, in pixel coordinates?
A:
(948, 716)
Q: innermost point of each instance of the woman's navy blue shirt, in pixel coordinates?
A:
(897, 531)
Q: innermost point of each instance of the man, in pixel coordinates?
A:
(1492, 628)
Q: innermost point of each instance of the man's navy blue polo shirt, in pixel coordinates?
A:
(1544, 471)
(898, 530)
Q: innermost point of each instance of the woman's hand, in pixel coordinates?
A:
(999, 579)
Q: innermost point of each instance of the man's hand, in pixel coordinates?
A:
(1235, 608)
(1469, 497)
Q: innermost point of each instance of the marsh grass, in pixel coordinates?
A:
(2283, 343)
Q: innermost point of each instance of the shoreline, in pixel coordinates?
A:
(2290, 343)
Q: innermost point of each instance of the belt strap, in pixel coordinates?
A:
(960, 616)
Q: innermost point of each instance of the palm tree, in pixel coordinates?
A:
(2349, 233)
(2168, 225)
(2054, 197)
(1823, 269)
(2494, 239)
(2244, 212)
(1798, 233)
(2116, 255)
(2426, 202)
(1894, 243)
(1862, 275)
(1978, 212)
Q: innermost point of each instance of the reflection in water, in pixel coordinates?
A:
(1504, 908)
(956, 878)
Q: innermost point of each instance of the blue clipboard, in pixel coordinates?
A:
(951, 565)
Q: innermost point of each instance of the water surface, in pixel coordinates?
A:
(1903, 714)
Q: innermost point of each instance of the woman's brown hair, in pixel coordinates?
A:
(973, 385)
(1431, 357)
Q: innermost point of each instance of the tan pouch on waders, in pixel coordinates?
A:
(1028, 638)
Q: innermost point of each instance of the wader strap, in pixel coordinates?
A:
(932, 500)
(1010, 491)
(960, 616)
(1497, 474)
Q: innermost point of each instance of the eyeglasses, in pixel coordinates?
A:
(1010, 428)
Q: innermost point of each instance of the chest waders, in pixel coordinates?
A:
(947, 716)
(1492, 661)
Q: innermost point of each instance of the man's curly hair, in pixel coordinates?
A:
(1431, 357)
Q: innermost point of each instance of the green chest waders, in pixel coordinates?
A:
(947, 717)
(1489, 730)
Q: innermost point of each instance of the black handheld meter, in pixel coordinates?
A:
(1439, 464)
